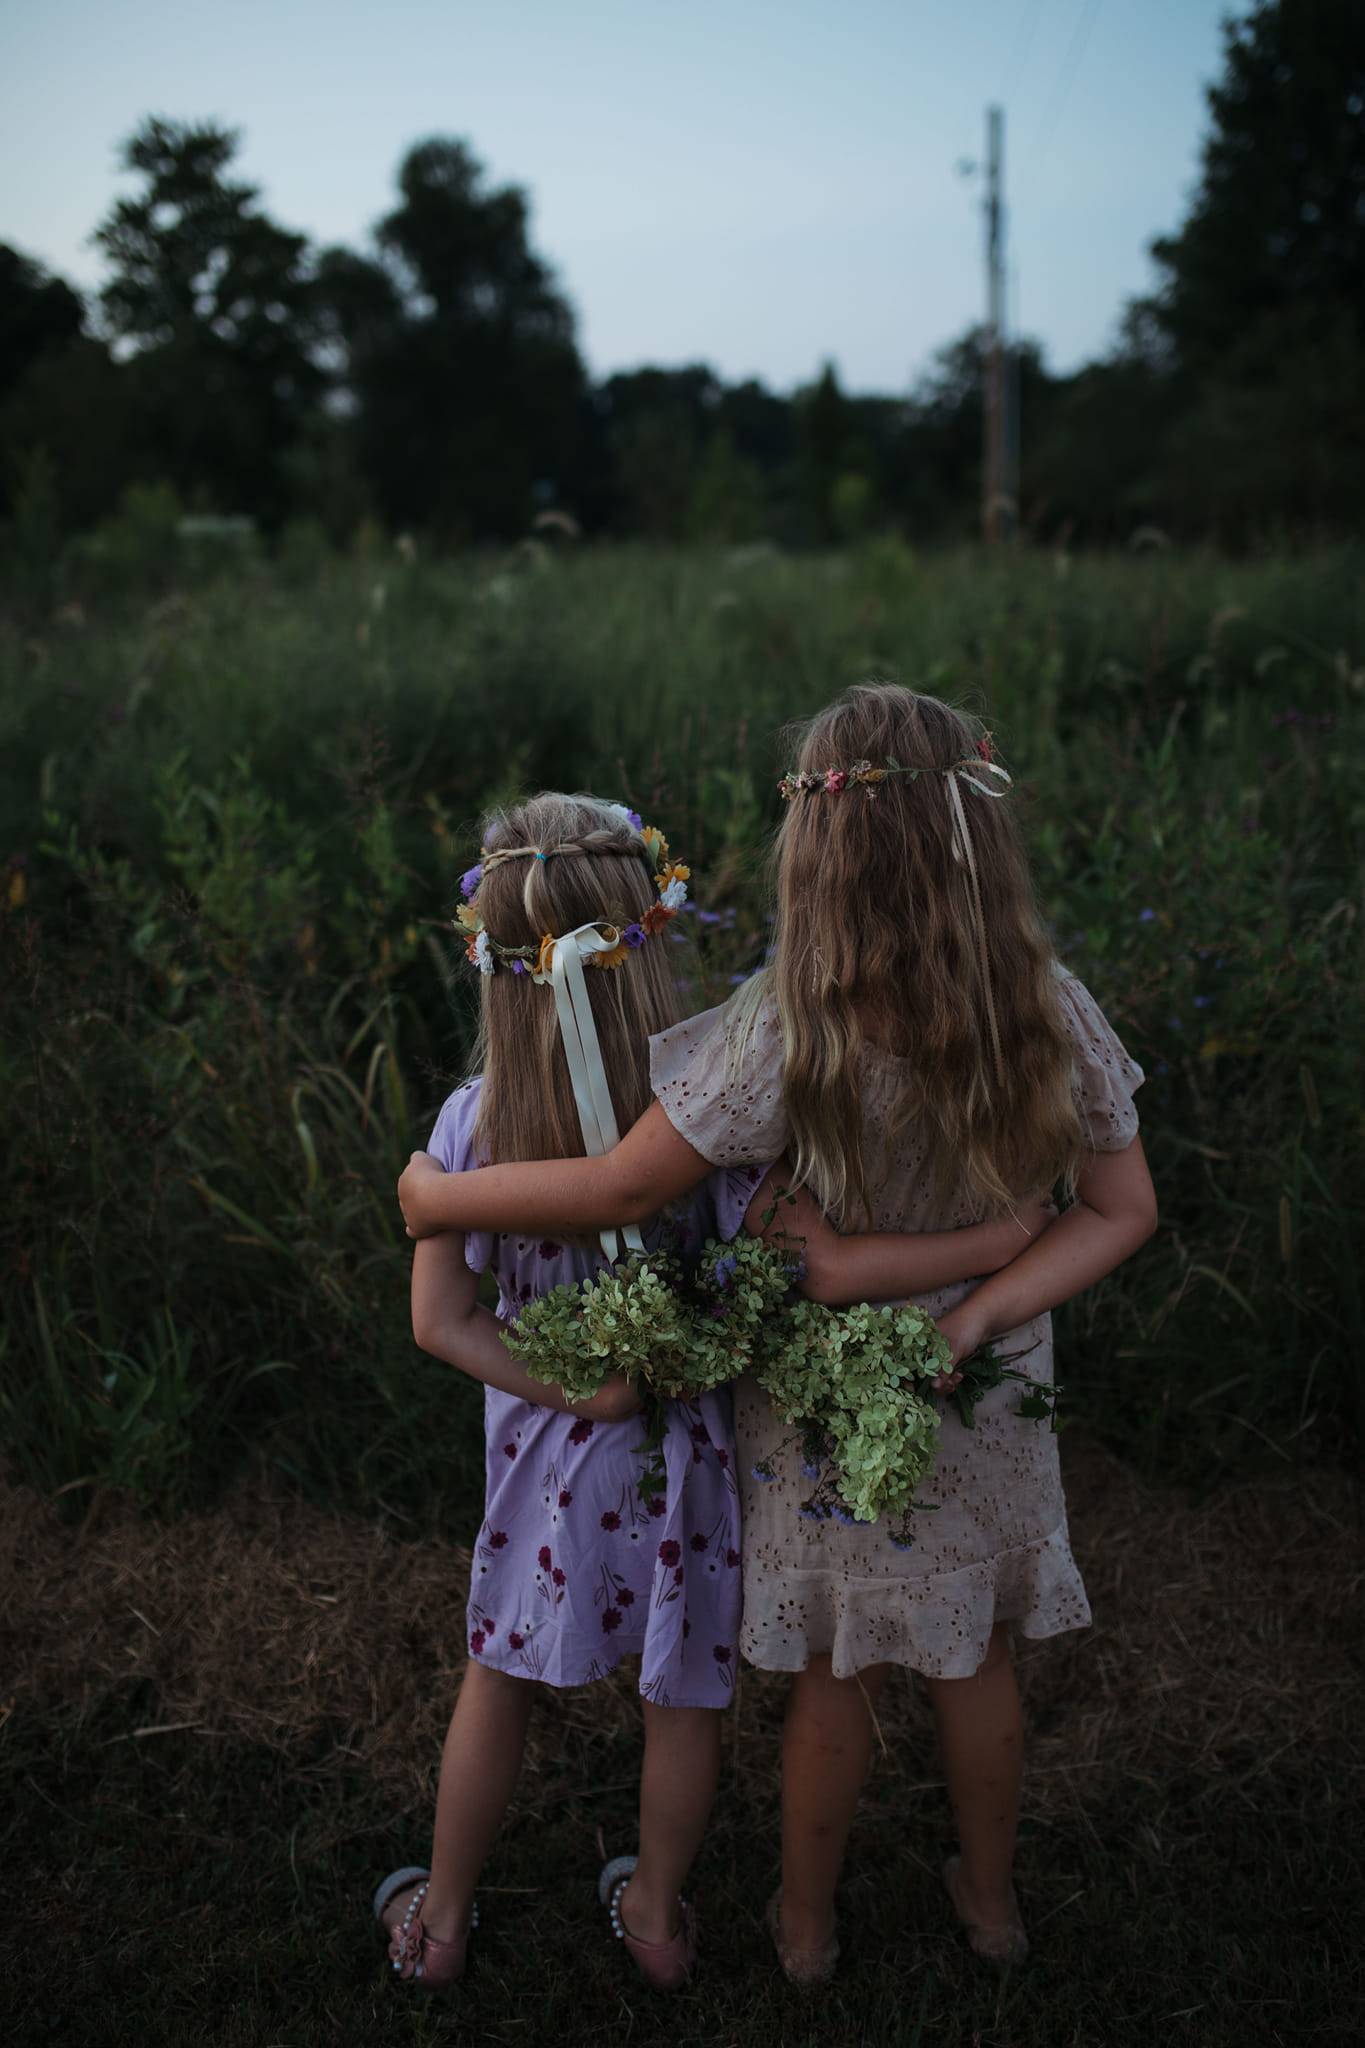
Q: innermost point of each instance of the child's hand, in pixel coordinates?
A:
(615, 1401)
(966, 1332)
(414, 1184)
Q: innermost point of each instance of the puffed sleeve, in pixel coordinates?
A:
(1106, 1078)
(452, 1142)
(720, 1084)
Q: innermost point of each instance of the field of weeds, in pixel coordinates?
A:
(235, 807)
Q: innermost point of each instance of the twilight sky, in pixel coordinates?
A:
(753, 184)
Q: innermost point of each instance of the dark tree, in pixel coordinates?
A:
(218, 310)
(457, 352)
(39, 315)
(1279, 216)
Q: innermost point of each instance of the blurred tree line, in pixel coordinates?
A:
(433, 382)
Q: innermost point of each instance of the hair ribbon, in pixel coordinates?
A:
(583, 1051)
(965, 850)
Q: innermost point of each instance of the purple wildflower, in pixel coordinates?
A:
(470, 880)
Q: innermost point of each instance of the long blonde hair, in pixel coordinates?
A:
(599, 872)
(875, 938)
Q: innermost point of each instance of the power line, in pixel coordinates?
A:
(1066, 72)
(1023, 41)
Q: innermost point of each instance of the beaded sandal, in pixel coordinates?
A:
(418, 1957)
(1003, 1947)
(808, 1966)
(664, 1965)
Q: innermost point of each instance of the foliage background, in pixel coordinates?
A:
(233, 1001)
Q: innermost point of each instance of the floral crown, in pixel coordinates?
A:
(862, 774)
(601, 944)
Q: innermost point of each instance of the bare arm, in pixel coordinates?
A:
(1114, 1213)
(886, 1265)
(651, 1167)
(449, 1322)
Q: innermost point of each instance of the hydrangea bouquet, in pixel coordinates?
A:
(853, 1383)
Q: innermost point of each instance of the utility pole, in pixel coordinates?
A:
(999, 465)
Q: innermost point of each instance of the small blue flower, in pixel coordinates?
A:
(766, 1478)
(809, 1471)
(725, 1269)
(708, 917)
(738, 980)
(635, 820)
(634, 935)
(897, 1543)
(843, 1515)
(1202, 1002)
(470, 880)
(1146, 916)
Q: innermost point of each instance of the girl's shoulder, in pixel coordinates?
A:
(1107, 1077)
(718, 1077)
(452, 1135)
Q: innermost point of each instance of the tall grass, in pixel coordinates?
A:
(235, 812)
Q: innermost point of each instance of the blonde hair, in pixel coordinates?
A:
(599, 871)
(875, 938)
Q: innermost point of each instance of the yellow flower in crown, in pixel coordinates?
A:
(655, 843)
(544, 959)
(617, 957)
(468, 916)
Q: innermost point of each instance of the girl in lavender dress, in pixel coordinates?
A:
(924, 1059)
(574, 1569)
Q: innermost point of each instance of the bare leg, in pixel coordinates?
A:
(826, 1748)
(981, 1740)
(479, 1767)
(677, 1790)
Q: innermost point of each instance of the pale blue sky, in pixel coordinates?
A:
(753, 184)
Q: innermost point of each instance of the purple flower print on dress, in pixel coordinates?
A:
(669, 1552)
(515, 1639)
(611, 1620)
(543, 1557)
(624, 1596)
(611, 1520)
(732, 1557)
(698, 1542)
(497, 1539)
(565, 1497)
(581, 1431)
(721, 1653)
(658, 1505)
(476, 1643)
(509, 1450)
(558, 1576)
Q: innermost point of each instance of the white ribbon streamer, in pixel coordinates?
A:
(964, 849)
(583, 1051)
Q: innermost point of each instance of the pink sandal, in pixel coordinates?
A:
(664, 1965)
(418, 1957)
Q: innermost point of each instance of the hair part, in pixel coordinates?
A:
(597, 871)
(875, 941)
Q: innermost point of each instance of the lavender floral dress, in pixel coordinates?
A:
(572, 1570)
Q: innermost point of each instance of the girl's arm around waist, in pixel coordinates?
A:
(651, 1167)
(449, 1322)
(886, 1265)
(1114, 1213)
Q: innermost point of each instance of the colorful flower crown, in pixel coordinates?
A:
(862, 774)
(487, 953)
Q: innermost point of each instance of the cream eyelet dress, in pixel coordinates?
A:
(992, 1545)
